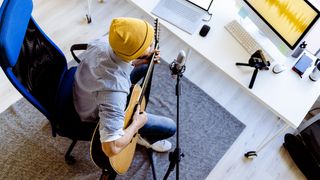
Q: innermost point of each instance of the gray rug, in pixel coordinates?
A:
(207, 130)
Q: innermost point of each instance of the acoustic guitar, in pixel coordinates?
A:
(121, 162)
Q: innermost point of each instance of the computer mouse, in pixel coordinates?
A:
(278, 68)
(204, 30)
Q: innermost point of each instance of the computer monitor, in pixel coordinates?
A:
(203, 4)
(282, 21)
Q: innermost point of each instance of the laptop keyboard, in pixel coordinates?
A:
(179, 15)
(183, 10)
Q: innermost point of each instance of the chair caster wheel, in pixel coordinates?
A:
(251, 154)
(70, 160)
(88, 18)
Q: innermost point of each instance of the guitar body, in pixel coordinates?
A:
(121, 162)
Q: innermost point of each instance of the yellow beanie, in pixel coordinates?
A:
(129, 38)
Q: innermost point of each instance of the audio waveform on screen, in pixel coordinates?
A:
(297, 20)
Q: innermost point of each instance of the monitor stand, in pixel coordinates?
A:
(279, 53)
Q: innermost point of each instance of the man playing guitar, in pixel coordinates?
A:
(102, 85)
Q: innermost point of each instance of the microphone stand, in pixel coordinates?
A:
(176, 155)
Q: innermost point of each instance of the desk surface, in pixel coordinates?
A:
(286, 94)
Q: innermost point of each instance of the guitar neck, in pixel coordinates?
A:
(148, 75)
(151, 63)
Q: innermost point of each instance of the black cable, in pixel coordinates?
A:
(311, 110)
(316, 108)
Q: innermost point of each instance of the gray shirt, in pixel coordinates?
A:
(101, 86)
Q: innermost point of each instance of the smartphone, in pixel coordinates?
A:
(302, 65)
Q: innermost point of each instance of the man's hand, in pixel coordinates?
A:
(114, 147)
(145, 58)
(139, 118)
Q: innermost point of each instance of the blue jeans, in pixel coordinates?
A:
(157, 127)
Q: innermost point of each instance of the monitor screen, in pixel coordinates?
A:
(204, 4)
(289, 19)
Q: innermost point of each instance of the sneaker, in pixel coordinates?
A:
(159, 146)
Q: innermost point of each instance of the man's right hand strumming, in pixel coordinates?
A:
(139, 118)
(114, 147)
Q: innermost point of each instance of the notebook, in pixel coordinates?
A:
(184, 14)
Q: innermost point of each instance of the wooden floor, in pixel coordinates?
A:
(64, 22)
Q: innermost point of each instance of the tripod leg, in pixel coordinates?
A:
(242, 64)
(253, 78)
(150, 153)
(174, 158)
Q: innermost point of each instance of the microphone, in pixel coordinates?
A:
(177, 66)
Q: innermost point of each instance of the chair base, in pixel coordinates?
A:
(67, 157)
(106, 175)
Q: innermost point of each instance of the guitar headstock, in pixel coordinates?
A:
(156, 32)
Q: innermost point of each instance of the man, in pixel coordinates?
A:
(102, 84)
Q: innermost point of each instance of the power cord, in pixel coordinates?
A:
(310, 112)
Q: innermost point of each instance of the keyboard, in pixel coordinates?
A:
(245, 39)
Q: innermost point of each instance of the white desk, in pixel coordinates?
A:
(286, 94)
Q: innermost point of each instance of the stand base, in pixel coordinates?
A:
(88, 17)
(251, 154)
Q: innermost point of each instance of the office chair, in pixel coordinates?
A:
(38, 69)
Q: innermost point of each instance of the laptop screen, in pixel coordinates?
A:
(204, 4)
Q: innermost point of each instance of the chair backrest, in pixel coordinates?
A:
(30, 60)
(67, 119)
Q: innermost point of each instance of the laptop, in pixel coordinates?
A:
(184, 14)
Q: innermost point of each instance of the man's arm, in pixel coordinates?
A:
(114, 147)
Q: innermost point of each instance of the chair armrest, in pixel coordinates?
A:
(76, 47)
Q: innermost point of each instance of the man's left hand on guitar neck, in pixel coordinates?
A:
(145, 58)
